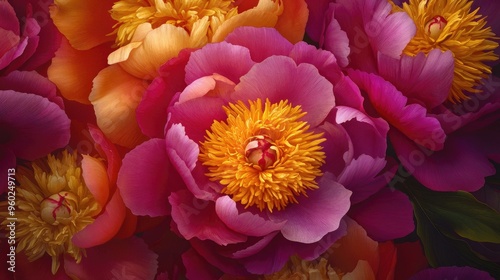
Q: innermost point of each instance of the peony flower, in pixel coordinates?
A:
(354, 256)
(145, 34)
(66, 206)
(268, 158)
(29, 37)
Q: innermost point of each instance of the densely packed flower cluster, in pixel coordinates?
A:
(250, 139)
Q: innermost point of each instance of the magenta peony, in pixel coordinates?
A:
(265, 151)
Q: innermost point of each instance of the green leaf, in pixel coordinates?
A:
(458, 213)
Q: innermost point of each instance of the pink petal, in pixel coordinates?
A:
(315, 23)
(391, 105)
(38, 84)
(143, 179)
(118, 259)
(416, 76)
(316, 215)
(460, 165)
(198, 218)
(337, 147)
(33, 125)
(347, 94)
(152, 110)
(30, 32)
(325, 61)
(104, 227)
(219, 58)
(385, 216)
(299, 84)
(183, 153)
(335, 39)
(243, 221)
(108, 151)
(9, 20)
(261, 42)
(198, 268)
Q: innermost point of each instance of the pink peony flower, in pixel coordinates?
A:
(260, 159)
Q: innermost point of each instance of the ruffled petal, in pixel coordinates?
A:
(335, 39)
(73, 70)
(255, 38)
(118, 259)
(198, 218)
(244, 221)
(416, 76)
(391, 105)
(32, 126)
(115, 97)
(315, 215)
(86, 24)
(105, 226)
(386, 215)
(143, 179)
(293, 82)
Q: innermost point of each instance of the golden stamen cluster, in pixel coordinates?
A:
(52, 204)
(188, 14)
(451, 25)
(298, 269)
(263, 155)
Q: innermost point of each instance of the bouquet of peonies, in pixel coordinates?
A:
(249, 139)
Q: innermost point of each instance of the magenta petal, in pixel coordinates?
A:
(38, 84)
(360, 177)
(416, 76)
(386, 215)
(335, 39)
(198, 268)
(254, 39)
(143, 179)
(337, 147)
(412, 120)
(197, 218)
(118, 259)
(292, 82)
(316, 215)
(33, 125)
(183, 154)
(219, 58)
(461, 165)
(243, 221)
(315, 22)
(9, 19)
(104, 227)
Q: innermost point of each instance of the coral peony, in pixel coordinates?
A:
(270, 154)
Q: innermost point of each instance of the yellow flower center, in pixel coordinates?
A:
(263, 154)
(451, 25)
(129, 14)
(298, 269)
(52, 204)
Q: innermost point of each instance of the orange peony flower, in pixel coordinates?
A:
(113, 51)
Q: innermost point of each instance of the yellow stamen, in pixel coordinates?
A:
(263, 154)
(183, 13)
(52, 204)
(298, 269)
(451, 25)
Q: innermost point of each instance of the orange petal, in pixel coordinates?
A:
(115, 97)
(264, 15)
(73, 71)
(159, 45)
(354, 246)
(96, 178)
(363, 270)
(244, 5)
(292, 23)
(86, 24)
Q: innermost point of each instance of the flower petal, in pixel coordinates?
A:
(292, 22)
(115, 97)
(96, 178)
(452, 272)
(118, 259)
(335, 39)
(243, 221)
(315, 215)
(143, 179)
(105, 226)
(195, 218)
(293, 82)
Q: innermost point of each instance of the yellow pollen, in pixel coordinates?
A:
(52, 204)
(451, 25)
(263, 155)
(188, 14)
